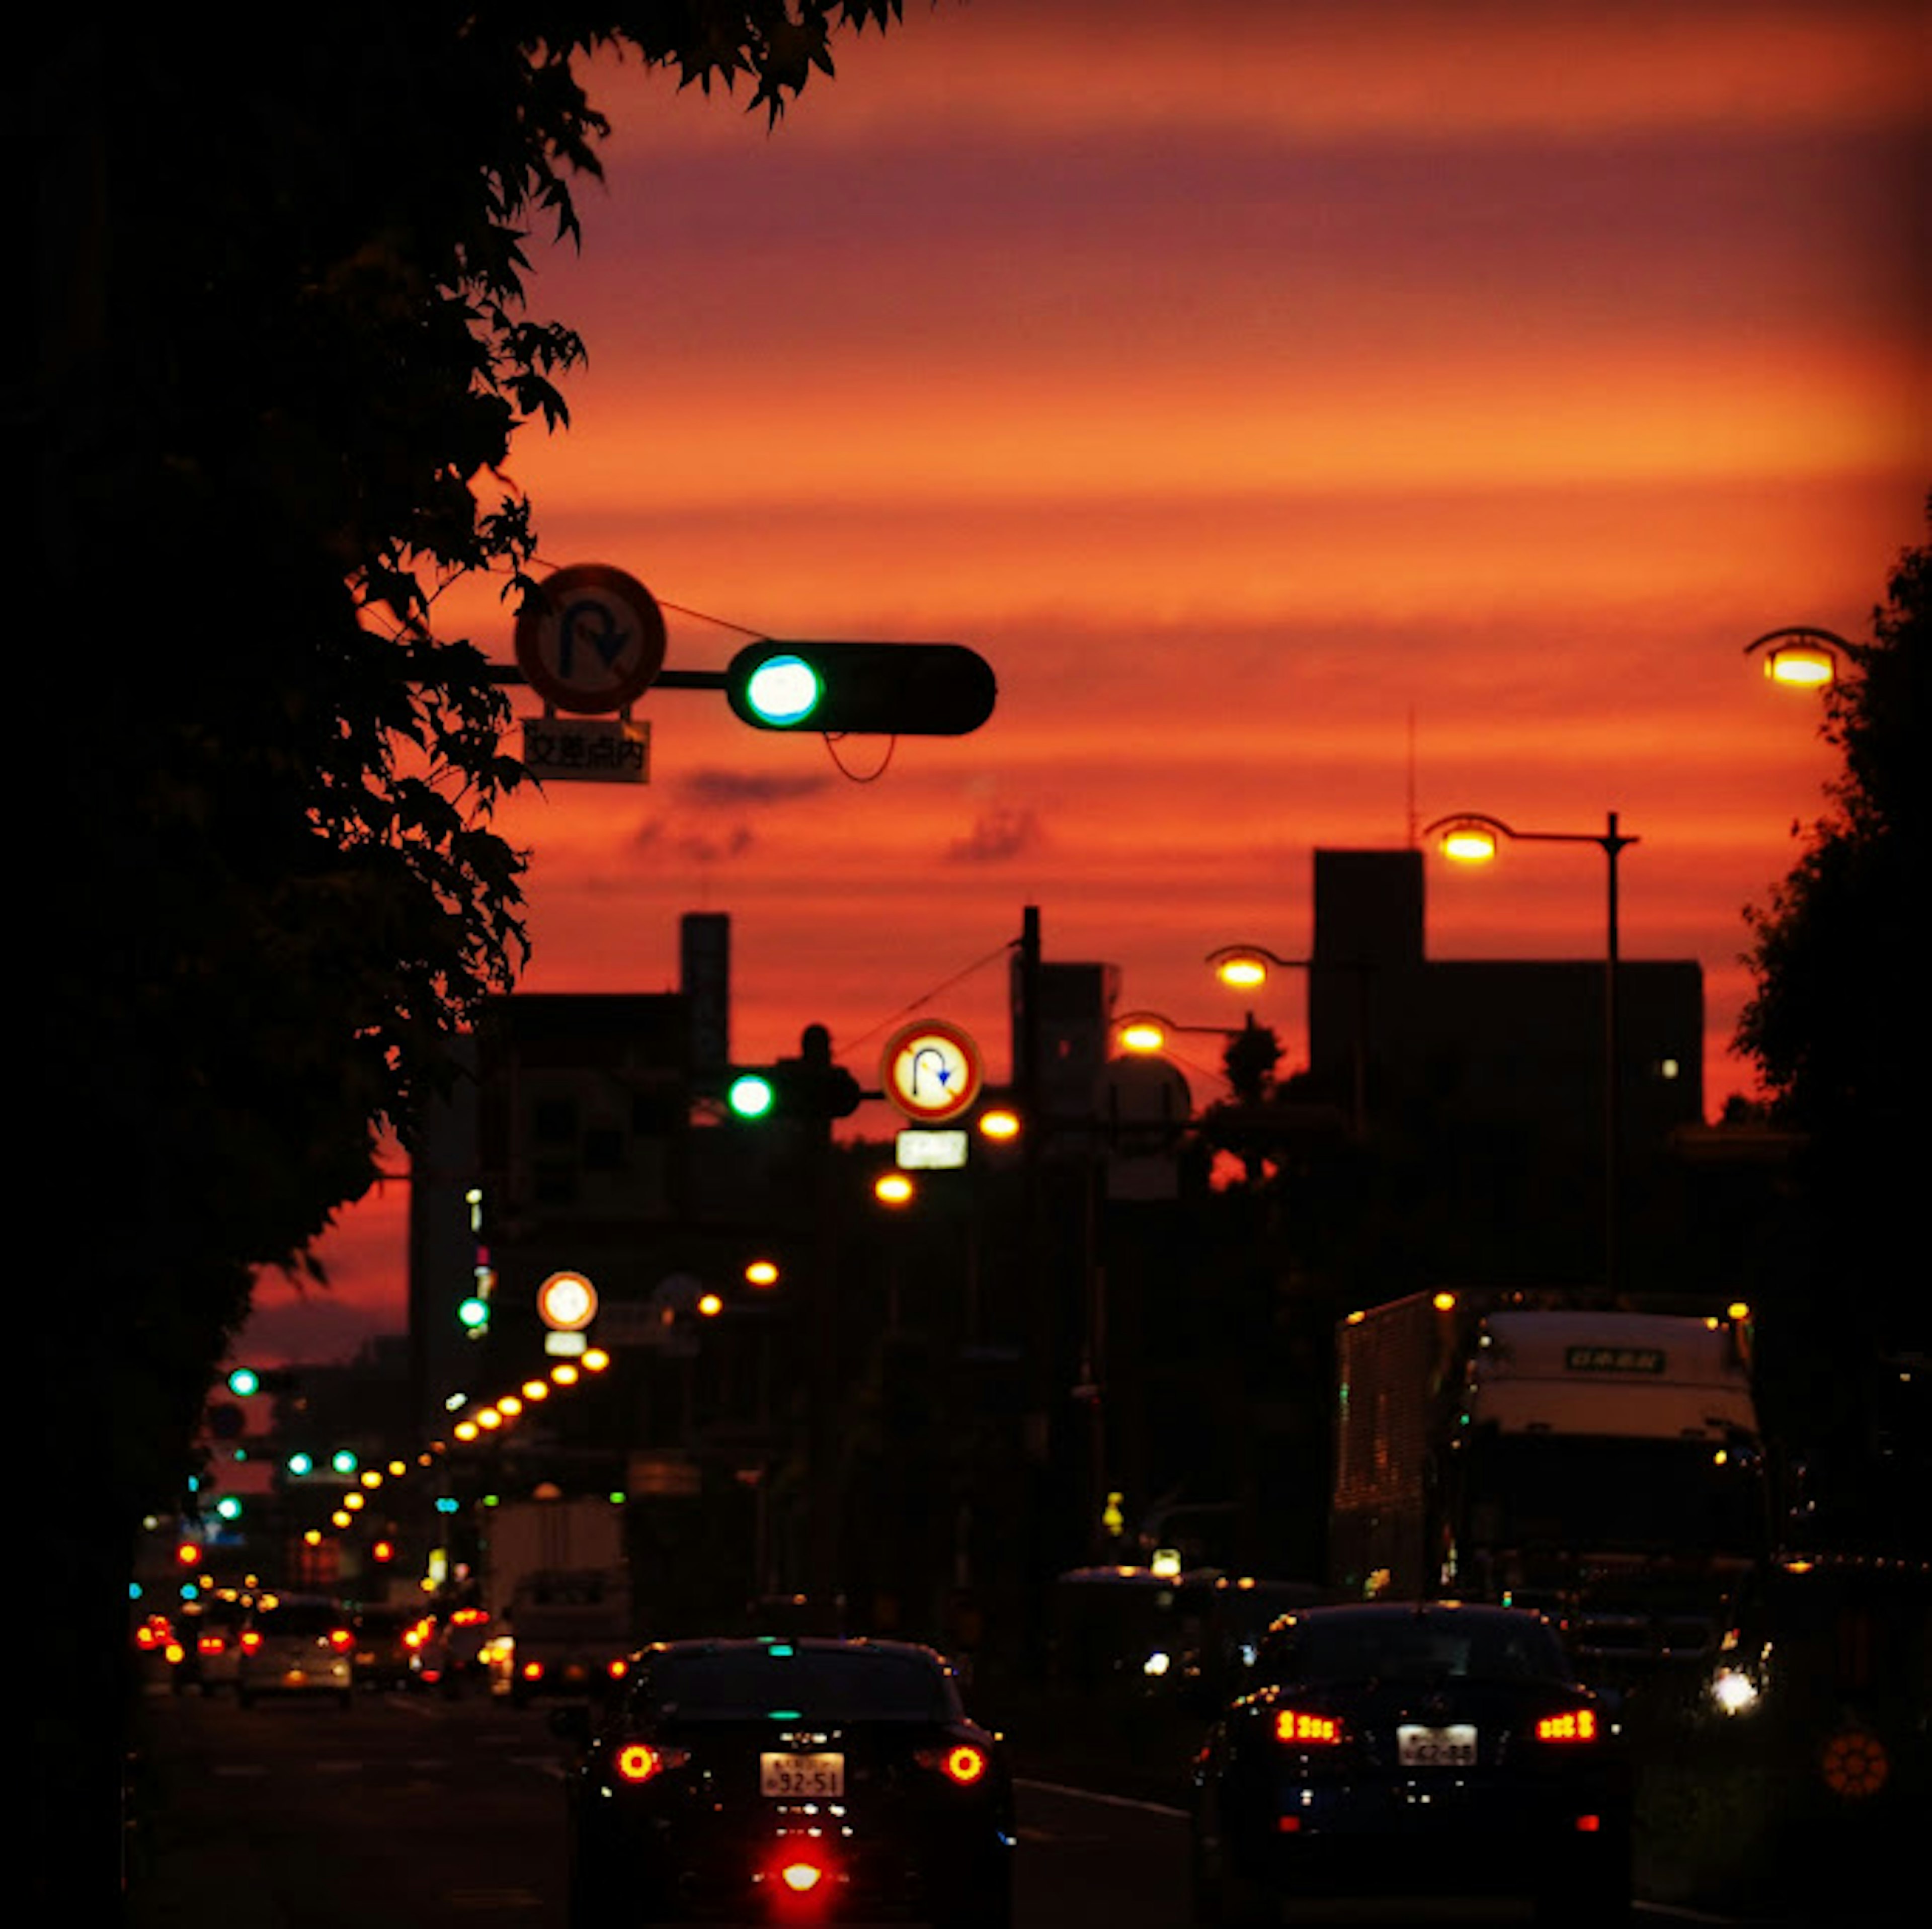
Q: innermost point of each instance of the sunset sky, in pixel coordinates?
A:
(1323, 416)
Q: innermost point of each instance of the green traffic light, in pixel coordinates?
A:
(243, 1381)
(885, 689)
(784, 690)
(751, 1095)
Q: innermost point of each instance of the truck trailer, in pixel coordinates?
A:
(1600, 1463)
(559, 1584)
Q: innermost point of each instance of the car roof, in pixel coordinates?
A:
(1439, 1611)
(807, 1645)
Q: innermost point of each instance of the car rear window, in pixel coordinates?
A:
(1347, 1648)
(781, 1681)
(299, 1617)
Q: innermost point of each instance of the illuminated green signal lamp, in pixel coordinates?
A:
(883, 689)
(751, 1095)
(244, 1382)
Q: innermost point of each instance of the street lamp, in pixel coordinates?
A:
(1471, 837)
(1246, 967)
(1800, 658)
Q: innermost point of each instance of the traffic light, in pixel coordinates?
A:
(882, 689)
(793, 1088)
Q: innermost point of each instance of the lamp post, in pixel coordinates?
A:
(1470, 837)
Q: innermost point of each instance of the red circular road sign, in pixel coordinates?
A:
(590, 639)
(930, 1070)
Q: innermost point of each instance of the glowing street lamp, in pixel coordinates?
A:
(1800, 658)
(1472, 837)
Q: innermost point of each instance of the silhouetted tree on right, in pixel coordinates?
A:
(1838, 1023)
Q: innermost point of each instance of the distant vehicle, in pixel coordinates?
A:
(295, 1645)
(1601, 1464)
(454, 1651)
(741, 1778)
(1411, 1748)
(209, 1632)
(558, 1582)
(569, 1634)
(388, 1647)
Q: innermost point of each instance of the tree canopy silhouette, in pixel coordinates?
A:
(1836, 1024)
(284, 349)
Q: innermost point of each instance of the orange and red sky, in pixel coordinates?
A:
(1323, 416)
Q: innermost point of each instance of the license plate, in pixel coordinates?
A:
(293, 1678)
(1451, 1747)
(810, 1776)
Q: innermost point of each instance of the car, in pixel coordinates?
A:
(388, 1644)
(780, 1777)
(295, 1645)
(1389, 1748)
(209, 1632)
(453, 1652)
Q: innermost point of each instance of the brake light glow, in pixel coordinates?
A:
(1579, 1724)
(801, 1878)
(1303, 1730)
(340, 1639)
(250, 1641)
(962, 1765)
(210, 1644)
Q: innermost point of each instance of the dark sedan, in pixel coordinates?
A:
(1428, 1748)
(795, 1779)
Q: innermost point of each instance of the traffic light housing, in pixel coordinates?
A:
(882, 689)
(793, 1088)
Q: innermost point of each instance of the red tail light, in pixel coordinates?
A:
(638, 1761)
(340, 1639)
(250, 1641)
(962, 1765)
(210, 1644)
(1578, 1724)
(1301, 1729)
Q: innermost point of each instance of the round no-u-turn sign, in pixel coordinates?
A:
(590, 639)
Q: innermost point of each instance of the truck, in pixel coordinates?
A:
(1601, 1463)
(558, 1584)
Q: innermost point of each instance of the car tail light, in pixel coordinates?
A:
(251, 1641)
(340, 1639)
(962, 1765)
(639, 1762)
(531, 1671)
(1576, 1724)
(619, 1668)
(1301, 1729)
(210, 1644)
(176, 1653)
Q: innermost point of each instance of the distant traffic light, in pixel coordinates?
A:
(880, 689)
(793, 1088)
(244, 1382)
